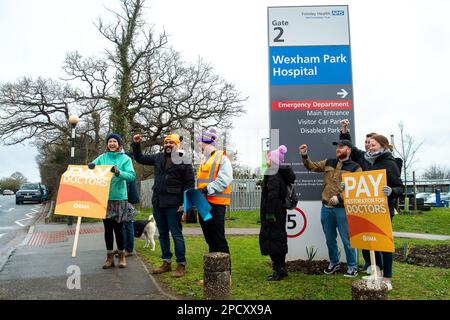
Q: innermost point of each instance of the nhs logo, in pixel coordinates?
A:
(337, 12)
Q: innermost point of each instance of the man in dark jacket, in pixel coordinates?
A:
(172, 178)
(333, 213)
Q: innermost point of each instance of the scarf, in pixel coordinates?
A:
(371, 157)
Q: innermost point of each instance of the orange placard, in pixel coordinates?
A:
(84, 192)
(367, 210)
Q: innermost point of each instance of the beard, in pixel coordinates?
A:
(342, 154)
(168, 150)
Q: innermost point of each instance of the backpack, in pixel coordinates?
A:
(290, 202)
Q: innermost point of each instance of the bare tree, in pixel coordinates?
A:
(139, 85)
(151, 89)
(19, 177)
(436, 172)
(39, 109)
(407, 150)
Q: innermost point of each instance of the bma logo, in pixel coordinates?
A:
(337, 12)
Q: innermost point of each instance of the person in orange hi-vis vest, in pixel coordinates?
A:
(214, 177)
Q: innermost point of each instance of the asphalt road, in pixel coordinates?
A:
(15, 221)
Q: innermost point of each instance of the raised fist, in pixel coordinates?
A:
(137, 138)
(91, 165)
(303, 149)
(345, 123)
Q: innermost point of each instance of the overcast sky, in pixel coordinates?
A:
(400, 61)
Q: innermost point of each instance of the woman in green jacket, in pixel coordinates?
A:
(116, 213)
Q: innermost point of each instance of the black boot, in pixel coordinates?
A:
(283, 272)
(279, 273)
(275, 277)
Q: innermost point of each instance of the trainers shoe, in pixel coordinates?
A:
(351, 272)
(388, 284)
(332, 268)
(369, 269)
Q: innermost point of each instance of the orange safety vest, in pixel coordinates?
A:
(207, 172)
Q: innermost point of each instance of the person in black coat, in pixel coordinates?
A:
(273, 235)
(173, 176)
(359, 156)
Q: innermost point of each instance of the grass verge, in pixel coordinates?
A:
(250, 269)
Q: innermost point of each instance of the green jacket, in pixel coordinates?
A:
(118, 188)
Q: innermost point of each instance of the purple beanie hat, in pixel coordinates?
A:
(277, 155)
(209, 137)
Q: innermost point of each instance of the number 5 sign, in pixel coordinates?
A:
(296, 223)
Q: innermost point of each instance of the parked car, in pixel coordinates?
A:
(423, 195)
(431, 200)
(8, 192)
(29, 192)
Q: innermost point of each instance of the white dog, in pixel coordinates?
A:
(149, 232)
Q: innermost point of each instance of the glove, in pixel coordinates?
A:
(115, 170)
(334, 200)
(91, 165)
(387, 191)
(204, 190)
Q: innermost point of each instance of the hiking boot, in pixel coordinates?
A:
(122, 261)
(180, 271)
(165, 267)
(351, 272)
(332, 268)
(109, 261)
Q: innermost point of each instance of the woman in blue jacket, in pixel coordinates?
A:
(117, 210)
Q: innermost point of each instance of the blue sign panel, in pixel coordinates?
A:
(310, 65)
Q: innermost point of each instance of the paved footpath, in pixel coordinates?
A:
(40, 268)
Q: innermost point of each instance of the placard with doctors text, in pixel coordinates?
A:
(84, 192)
(367, 210)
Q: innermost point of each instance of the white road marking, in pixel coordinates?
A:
(7, 228)
(2, 234)
(10, 209)
(29, 215)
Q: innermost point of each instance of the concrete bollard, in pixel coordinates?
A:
(217, 281)
(369, 290)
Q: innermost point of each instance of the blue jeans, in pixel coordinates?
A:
(332, 219)
(168, 219)
(128, 235)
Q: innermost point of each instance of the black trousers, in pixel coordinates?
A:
(112, 226)
(214, 229)
(279, 261)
